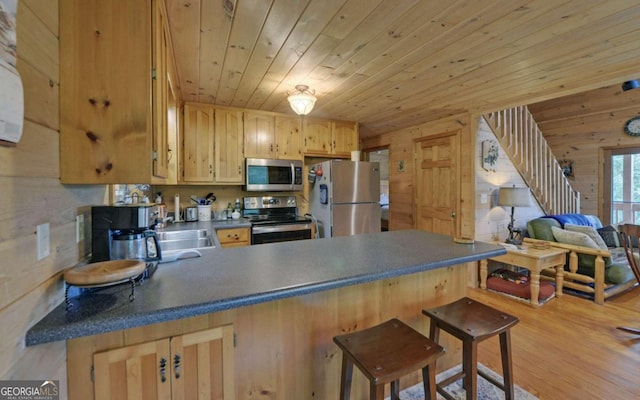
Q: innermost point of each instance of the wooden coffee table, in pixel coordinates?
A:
(535, 260)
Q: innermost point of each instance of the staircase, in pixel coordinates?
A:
(522, 141)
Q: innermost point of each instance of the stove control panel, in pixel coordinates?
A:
(252, 203)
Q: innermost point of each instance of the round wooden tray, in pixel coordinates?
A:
(104, 273)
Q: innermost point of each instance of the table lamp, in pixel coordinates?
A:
(514, 197)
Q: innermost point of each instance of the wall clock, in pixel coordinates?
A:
(632, 127)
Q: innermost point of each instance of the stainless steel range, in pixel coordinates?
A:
(275, 219)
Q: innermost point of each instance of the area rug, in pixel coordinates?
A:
(486, 391)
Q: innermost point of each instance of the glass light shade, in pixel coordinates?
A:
(514, 197)
(302, 101)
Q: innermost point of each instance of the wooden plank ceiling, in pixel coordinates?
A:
(390, 64)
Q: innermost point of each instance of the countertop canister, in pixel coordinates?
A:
(204, 212)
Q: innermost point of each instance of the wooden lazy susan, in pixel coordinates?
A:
(105, 273)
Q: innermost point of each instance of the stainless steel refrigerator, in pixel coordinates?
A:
(345, 197)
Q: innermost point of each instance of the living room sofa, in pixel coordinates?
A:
(596, 264)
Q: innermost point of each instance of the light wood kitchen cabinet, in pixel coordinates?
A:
(113, 97)
(289, 138)
(229, 159)
(212, 145)
(329, 138)
(272, 136)
(190, 366)
(234, 237)
(316, 134)
(198, 144)
(259, 135)
(344, 138)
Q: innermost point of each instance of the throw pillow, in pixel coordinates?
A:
(589, 231)
(610, 236)
(574, 238)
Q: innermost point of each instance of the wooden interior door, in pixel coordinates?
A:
(437, 192)
(133, 372)
(202, 365)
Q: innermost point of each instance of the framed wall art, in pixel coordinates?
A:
(490, 153)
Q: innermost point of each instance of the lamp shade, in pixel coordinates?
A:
(514, 197)
(302, 100)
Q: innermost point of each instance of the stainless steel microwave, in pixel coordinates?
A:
(267, 175)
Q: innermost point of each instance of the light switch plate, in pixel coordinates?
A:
(42, 233)
(484, 198)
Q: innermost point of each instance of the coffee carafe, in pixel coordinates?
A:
(135, 244)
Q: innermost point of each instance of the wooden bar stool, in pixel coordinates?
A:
(384, 353)
(473, 322)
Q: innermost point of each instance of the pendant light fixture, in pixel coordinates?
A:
(302, 100)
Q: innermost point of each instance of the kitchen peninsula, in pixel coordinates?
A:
(285, 302)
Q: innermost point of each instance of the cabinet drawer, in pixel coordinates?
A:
(233, 237)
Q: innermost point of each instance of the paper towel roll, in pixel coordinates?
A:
(176, 208)
(355, 155)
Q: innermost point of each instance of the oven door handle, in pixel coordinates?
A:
(257, 230)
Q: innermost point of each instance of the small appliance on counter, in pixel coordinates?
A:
(191, 214)
(125, 232)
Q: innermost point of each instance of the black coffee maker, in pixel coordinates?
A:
(124, 231)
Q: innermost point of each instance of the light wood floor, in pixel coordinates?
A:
(569, 348)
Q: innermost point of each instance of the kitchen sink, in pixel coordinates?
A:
(186, 239)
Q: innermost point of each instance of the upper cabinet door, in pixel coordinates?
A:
(344, 138)
(259, 135)
(228, 149)
(289, 138)
(197, 144)
(160, 92)
(317, 136)
(113, 92)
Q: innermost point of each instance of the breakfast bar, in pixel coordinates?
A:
(282, 301)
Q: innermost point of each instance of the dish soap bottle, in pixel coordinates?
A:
(229, 210)
(238, 205)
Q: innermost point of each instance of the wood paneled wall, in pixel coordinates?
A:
(401, 172)
(31, 194)
(577, 127)
(401, 169)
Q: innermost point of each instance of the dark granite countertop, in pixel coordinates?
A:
(229, 278)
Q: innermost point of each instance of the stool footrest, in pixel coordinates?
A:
(448, 381)
(444, 394)
(491, 379)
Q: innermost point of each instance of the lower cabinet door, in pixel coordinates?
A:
(192, 366)
(202, 365)
(134, 372)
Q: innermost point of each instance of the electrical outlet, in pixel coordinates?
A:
(42, 233)
(484, 198)
(79, 228)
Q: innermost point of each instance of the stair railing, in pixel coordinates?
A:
(526, 147)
